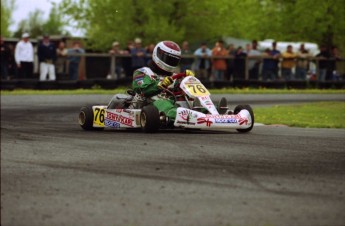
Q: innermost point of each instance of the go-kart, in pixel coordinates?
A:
(195, 110)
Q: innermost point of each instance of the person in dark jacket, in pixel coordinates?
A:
(323, 62)
(47, 56)
(5, 58)
(240, 64)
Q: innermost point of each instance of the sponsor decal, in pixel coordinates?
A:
(139, 77)
(118, 110)
(119, 118)
(208, 102)
(223, 116)
(191, 79)
(204, 120)
(187, 123)
(243, 121)
(229, 120)
(140, 82)
(113, 124)
(187, 115)
(127, 111)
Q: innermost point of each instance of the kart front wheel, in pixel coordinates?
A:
(250, 110)
(222, 106)
(149, 119)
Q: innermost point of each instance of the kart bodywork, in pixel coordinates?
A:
(196, 110)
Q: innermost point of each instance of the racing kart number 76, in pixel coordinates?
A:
(195, 110)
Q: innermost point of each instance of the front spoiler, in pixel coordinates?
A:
(186, 118)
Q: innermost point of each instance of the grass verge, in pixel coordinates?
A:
(310, 115)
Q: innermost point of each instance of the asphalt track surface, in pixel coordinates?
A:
(54, 173)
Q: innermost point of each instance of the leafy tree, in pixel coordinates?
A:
(152, 20)
(37, 26)
(33, 25)
(55, 24)
(199, 20)
(7, 7)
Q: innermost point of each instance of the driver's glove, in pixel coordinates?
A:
(167, 81)
(190, 73)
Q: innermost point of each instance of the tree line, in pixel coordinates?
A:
(106, 21)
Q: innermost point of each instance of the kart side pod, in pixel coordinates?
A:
(242, 119)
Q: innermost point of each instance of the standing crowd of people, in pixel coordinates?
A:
(219, 63)
(222, 63)
(53, 60)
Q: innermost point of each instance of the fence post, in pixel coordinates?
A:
(317, 70)
(112, 67)
(246, 73)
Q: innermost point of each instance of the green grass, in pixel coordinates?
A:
(212, 91)
(314, 115)
(311, 115)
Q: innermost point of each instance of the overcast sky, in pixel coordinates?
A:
(24, 7)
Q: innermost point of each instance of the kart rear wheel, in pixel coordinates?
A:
(250, 110)
(149, 119)
(85, 118)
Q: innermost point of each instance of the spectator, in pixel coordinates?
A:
(61, 60)
(334, 67)
(302, 63)
(240, 64)
(12, 66)
(275, 61)
(5, 59)
(115, 50)
(323, 62)
(254, 64)
(149, 51)
(186, 60)
(24, 56)
(270, 63)
(267, 66)
(73, 67)
(202, 62)
(230, 62)
(46, 56)
(288, 63)
(219, 64)
(127, 61)
(138, 54)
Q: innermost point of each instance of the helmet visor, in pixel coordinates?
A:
(168, 58)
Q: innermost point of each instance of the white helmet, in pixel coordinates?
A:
(167, 56)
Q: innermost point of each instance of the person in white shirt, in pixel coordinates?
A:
(24, 56)
(254, 63)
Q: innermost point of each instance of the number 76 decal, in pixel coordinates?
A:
(197, 89)
(98, 116)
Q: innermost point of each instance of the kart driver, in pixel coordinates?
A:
(150, 81)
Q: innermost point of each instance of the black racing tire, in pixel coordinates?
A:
(149, 119)
(85, 118)
(248, 108)
(223, 103)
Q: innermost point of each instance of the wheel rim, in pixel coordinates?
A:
(82, 118)
(143, 120)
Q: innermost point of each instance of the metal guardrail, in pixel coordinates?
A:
(112, 66)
